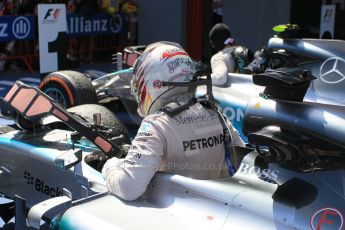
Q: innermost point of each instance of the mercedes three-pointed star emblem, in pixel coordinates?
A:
(332, 70)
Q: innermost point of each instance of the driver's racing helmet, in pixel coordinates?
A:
(161, 62)
(220, 36)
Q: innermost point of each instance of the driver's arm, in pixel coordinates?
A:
(128, 177)
(220, 68)
(235, 136)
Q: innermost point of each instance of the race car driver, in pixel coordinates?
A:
(228, 58)
(222, 62)
(188, 143)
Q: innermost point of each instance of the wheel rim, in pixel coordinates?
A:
(57, 95)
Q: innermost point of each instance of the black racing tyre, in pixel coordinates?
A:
(69, 88)
(108, 119)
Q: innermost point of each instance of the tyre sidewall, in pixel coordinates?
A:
(76, 88)
(59, 82)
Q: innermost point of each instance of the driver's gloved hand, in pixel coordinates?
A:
(125, 148)
(96, 160)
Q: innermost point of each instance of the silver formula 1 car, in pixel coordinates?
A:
(322, 62)
(291, 177)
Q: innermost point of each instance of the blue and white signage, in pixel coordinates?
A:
(17, 28)
(52, 36)
(79, 25)
(327, 21)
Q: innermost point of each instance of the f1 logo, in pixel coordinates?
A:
(327, 218)
(51, 12)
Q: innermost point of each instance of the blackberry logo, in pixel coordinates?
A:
(29, 179)
(41, 186)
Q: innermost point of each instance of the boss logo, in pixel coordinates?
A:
(261, 173)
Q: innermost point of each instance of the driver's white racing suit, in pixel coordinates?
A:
(188, 144)
(222, 63)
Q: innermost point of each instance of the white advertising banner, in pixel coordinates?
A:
(52, 29)
(327, 21)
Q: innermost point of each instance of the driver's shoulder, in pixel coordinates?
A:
(157, 119)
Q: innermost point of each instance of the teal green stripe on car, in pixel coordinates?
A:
(43, 152)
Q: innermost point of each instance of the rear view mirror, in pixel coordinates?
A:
(28, 101)
(33, 104)
(130, 54)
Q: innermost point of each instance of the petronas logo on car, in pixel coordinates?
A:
(41, 186)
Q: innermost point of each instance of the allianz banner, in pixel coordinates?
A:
(17, 28)
(78, 25)
(23, 27)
